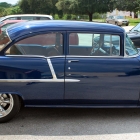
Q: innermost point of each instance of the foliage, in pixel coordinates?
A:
(2, 11)
(83, 6)
(5, 5)
(126, 5)
(38, 6)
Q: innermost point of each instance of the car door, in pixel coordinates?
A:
(34, 68)
(103, 76)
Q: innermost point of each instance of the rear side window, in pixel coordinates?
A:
(94, 44)
(14, 18)
(42, 18)
(50, 44)
(27, 18)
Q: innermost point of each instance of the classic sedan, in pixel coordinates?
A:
(67, 64)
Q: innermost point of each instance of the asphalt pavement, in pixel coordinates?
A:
(127, 28)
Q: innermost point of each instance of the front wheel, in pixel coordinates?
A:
(9, 106)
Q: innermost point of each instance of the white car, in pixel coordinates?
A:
(117, 20)
(27, 17)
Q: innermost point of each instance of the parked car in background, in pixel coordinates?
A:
(67, 64)
(7, 23)
(134, 35)
(26, 17)
(117, 20)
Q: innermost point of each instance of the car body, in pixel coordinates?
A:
(26, 17)
(67, 64)
(117, 20)
(7, 23)
(134, 35)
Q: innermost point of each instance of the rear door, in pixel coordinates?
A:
(34, 68)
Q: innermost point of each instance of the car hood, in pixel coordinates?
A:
(122, 19)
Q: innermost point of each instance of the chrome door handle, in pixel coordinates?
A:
(69, 61)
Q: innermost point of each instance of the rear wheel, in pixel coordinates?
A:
(9, 106)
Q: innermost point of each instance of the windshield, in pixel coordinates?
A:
(4, 40)
(130, 49)
(120, 17)
(1, 19)
(136, 28)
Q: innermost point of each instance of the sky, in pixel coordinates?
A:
(10, 1)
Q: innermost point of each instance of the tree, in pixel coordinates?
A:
(126, 5)
(38, 6)
(5, 5)
(84, 6)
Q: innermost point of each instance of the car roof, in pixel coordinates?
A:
(30, 27)
(20, 15)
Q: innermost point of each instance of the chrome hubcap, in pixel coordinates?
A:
(6, 104)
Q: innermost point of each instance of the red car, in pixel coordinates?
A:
(7, 23)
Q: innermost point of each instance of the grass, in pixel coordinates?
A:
(133, 21)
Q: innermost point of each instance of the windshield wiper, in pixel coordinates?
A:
(136, 30)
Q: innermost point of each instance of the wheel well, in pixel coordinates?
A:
(21, 100)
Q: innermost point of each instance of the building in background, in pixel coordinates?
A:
(121, 13)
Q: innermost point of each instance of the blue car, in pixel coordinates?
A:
(67, 64)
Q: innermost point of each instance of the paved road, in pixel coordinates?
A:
(71, 124)
(127, 28)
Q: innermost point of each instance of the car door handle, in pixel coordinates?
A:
(69, 61)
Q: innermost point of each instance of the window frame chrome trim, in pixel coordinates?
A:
(39, 56)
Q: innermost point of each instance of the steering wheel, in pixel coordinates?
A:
(54, 51)
(95, 48)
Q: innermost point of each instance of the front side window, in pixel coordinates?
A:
(50, 44)
(130, 49)
(95, 45)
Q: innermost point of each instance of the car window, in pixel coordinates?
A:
(95, 45)
(130, 49)
(27, 17)
(42, 18)
(120, 17)
(14, 18)
(44, 45)
(136, 28)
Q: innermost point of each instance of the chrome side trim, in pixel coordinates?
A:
(52, 69)
(39, 80)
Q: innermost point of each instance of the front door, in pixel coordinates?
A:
(105, 77)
